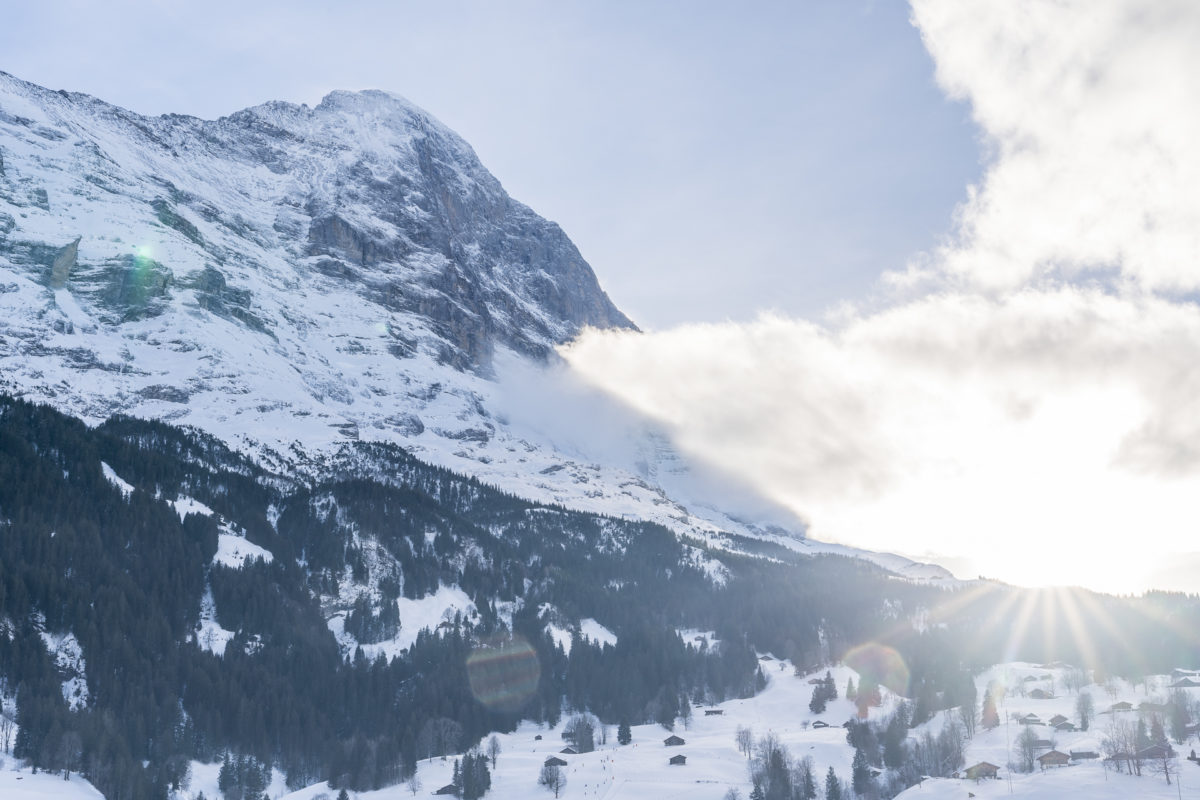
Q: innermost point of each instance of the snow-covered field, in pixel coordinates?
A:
(640, 770)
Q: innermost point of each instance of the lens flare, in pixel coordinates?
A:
(503, 673)
(881, 665)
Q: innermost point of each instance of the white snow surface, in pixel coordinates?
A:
(186, 505)
(234, 551)
(596, 632)
(424, 613)
(116, 480)
(68, 658)
(22, 784)
(210, 635)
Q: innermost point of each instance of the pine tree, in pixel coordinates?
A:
(817, 704)
(861, 772)
(850, 692)
(624, 734)
(989, 718)
(833, 787)
(343, 795)
(830, 686)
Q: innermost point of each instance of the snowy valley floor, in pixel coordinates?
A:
(640, 771)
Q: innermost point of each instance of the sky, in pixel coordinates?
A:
(709, 159)
(924, 274)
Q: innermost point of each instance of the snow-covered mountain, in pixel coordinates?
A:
(291, 279)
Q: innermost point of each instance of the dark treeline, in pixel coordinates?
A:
(126, 576)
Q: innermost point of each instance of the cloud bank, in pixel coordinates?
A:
(1029, 409)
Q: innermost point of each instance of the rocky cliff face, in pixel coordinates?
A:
(364, 191)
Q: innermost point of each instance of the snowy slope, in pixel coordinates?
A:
(293, 279)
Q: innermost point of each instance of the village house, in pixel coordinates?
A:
(1053, 759)
(1058, 719)
(555, 761)
(1041, 694)
(1030, 719)
(678, 761)
(673, 741)
(982, 770)
(569, 751)
(1116, 708)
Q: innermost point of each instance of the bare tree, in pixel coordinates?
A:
(1164, 764)
(493, 750)
(6, 732)
(414, 784)
(553, 778)
(1085, 709)
(1027, 747)
(745, 740)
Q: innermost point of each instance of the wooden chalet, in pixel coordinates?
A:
(1053, 759)
(982, 770)
(1058, 719)
(1030, 719)
(673, 741)
(1119, 707)
(678, 761)
(537, 738)
(1041, 694)
(555, 761)
(569, 751)
(1065, 727)
(449, 788)
(1156, 751)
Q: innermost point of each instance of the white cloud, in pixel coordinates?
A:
(1047, 437)
(1031, 415)
(1089, 108)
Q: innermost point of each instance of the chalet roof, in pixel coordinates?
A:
(1184, 683)
(555, 761)
(1057, 718)
(679, 760)
(673, 741)
(569, 751)
(983, 765)
(1156, 751)
(1054, 757)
